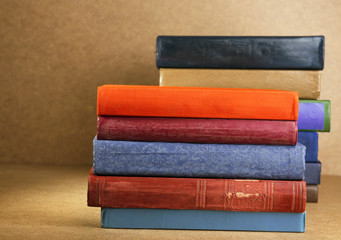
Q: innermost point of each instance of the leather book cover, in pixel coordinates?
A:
(132, 158)
(310, 141)
(197, 130)
(155, 101)
(314, 115)
(312, 193)
(312, 173)
(233, 52)
(202, 220)
(306, 83)
(194, 193)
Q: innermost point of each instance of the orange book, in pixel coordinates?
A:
(196, 102)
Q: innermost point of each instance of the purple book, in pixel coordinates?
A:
(314, 115)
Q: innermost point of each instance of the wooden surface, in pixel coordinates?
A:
(49, 202)
(54, 54)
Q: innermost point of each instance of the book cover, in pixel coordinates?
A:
(312, 173)
(312, 193)
(196, 193)
(131, 158)
(234, 52)
(310, 141)
(314, 115)
(306, 83)
(155, 101)
(197, 130)
(202, 220)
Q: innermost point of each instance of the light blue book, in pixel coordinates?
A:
(129, 158)
(202, 220)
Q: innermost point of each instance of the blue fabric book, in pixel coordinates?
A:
(202, 220)
(129, 158)
(312, 173)
(310, 141)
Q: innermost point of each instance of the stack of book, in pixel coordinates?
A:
(206, 157)
(285, 63)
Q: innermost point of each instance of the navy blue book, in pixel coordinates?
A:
(163, 159)
(240, 52)
(312, 173)
(202, 220)
(310, 141)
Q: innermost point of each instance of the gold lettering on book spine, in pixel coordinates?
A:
(301, 195)
(201, 194)
(272, 195)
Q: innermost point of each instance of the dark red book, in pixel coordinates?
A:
(197, 130)
(194, 193)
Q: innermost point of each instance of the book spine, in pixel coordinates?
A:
(194, 130)
(314, 115)
(191, 193)
(132, 158)
(302, 53)
(202, 220)
(306, 83)
(312, 193)
(310, 141)
(155, 101)
(312, 173)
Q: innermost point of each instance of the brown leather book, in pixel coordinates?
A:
(306, 83)
(312, 193)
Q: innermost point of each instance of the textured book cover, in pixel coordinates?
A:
(164, 159)
(306, 83)
(312, 193)
(314, 115)
(155, 101)
(233, 52)
(202, 220)
(312, 173)
(196, 193)
(197, 130)
(310, 141)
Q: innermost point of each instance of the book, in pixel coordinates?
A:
(312, 173)
(202, 220)
(306, 83)
(314, 115)
(132, 158)
(310, 141)
(197, 130)
(312, 193)
(155, 101)
(234, 52)
(196, 193)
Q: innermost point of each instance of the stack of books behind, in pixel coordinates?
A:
(284, 63)
(202, 151)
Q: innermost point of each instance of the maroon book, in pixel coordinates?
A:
(196, 130)
(195, 193)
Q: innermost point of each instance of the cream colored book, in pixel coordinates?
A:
(306, 83)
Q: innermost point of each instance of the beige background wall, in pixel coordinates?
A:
(53, 55)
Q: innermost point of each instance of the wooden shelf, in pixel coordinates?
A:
(49, 202)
